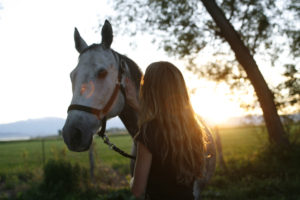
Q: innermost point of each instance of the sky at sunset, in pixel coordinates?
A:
(37, 54)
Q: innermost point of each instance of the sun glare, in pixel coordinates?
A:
(214, 106)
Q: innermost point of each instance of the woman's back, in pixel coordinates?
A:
(162, 183)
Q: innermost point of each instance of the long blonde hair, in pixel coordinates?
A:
(164, 98)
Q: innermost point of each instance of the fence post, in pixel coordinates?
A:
(220, 158)
(43, 151)
(92, 162)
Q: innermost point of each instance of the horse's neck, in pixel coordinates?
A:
(128, 115)
(129, 118)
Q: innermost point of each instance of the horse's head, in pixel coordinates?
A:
(96, 83)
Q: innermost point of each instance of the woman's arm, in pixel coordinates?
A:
(141, 170)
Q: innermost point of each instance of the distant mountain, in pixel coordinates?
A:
(32, 128)
(41, 127)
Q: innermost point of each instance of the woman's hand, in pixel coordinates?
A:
(131, 94)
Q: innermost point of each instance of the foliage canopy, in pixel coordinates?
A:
(269, 29)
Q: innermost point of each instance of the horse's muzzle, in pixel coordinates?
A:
(76, 139)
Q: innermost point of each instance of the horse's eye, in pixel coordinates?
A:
(101, 73)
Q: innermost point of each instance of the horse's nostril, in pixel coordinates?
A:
(76, 138)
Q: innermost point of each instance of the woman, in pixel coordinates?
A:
(170, 141)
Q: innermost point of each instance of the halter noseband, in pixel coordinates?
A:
(111, 100)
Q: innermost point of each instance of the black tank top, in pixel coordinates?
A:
(162, 184)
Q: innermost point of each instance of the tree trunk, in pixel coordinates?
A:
(244, 57)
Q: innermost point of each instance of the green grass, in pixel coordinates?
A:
(255, 170)
(241, 142)
(19, 155)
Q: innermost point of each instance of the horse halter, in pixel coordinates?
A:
(111, 100)
(106, 108)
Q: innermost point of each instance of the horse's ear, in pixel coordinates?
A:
(107, 34)
(80, 44)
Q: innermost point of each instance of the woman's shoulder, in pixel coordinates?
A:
(153, 124)
(150, 126)
(148, 133)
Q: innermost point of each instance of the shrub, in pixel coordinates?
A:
(61, 176)
(62, 180)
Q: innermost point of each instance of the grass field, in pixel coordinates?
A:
(253, 172)
(19, 155)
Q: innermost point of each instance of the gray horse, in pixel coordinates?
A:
(98, 83)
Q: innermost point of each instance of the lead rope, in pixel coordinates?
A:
(106, 140)
(101, 132)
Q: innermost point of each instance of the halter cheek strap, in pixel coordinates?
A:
(103, 111)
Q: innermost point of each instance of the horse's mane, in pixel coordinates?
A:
(135, 71)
